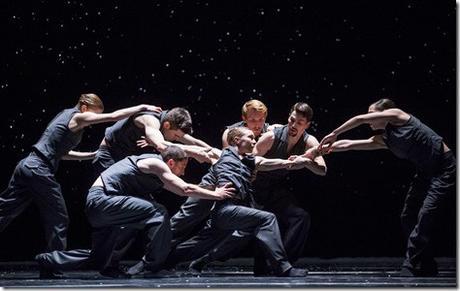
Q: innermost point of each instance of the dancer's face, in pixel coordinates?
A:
(297, 124)
(172, 134)
(255, 121)
(177, 167)
(246, 142)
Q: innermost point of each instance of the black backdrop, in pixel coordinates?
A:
(211, 57)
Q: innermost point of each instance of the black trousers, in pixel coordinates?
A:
(33, 181)
(189, 245)
(425, 202)
(294, 224)
(208, 241)
(226, 218)
(294, 221)
(116, 220)
(191, 213)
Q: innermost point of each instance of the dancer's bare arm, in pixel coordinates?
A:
(264, 144)
(79, 156)
(84, 119)
(394, 116)
(178, 186)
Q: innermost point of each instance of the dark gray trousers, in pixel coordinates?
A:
(116, 220)
(208, 241)
(227, 218)
(294, 223)
(426, 200)
(33, 182)
(191, 213)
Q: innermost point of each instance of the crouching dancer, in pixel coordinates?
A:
(119, 205)
(237, 166)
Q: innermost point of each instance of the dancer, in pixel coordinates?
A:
(118, 205)
(133, 135)
(193, 211)
(273, 189)
(33, 180)
(239, 168)
(433, 186)
(253, 115)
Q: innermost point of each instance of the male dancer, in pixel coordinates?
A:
(273, 188)
(253, 116)
(116, 208)
(33, 179)
(193, 211)
(239, 168)
(434, 183)
(131, 135)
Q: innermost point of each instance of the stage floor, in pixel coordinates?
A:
(237, 273)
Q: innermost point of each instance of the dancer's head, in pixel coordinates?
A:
(176, 159)
(177, 122)
(299, 118)
(254, 113)
(379, 106)
(90, 102)
(243, 138)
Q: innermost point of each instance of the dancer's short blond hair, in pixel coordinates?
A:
(254, 105)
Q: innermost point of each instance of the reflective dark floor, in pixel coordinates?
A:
(237, 273)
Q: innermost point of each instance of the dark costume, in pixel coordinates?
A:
(116, 212)
(33, 180)
(237, 214)
(121, 141)
(432, 189)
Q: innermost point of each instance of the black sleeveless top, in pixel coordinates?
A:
(240, 172)
(58, 139)
(123, 135)
(417, 143)
(125, 178)
(279, 150)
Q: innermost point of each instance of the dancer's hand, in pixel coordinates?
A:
(147, 107)
(201, 154)
(293, 157)
(215, 153)
(142, 142)
(312, 153)
(327, 142)
(224, 192)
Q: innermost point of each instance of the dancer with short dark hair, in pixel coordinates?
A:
(132, 135)
(119, 204)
